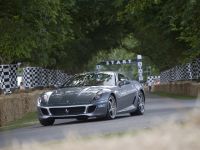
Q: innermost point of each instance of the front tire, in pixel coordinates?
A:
(140, 105)
(47, 122)
(112, 108)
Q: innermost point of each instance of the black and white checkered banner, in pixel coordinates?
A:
(189, 71)
(152, 80)
(8, 77)
(137, 61)
(32, 77)
(39, 77)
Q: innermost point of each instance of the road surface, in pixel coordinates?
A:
(159, 110)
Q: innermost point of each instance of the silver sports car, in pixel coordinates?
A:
(93, 94)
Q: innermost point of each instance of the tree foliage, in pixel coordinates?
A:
(68, 34)
(115, 54)
(168, 30)
(31, 30)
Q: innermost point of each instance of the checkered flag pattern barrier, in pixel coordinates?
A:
(189, 71)
(151, 80)
(52, 77)
(44, 77)
(13, 76)
(61, 77)
(39, 77)
(8, 77)
(32, 77)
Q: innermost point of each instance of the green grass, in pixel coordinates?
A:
(175, 96)
(27, 120)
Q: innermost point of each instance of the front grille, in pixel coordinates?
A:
(44, 111)
(91, 109)
(67, 111)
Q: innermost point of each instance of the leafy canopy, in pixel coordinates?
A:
(69, 34)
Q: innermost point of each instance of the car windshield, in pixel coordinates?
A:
(91, 79)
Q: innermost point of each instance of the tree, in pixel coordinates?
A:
(32, 30)
(67, 34)
(167, 30)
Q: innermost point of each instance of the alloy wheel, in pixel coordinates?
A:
(112, 108)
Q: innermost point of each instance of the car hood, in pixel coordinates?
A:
(73, 96)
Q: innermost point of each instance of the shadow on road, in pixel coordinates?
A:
(92, 120)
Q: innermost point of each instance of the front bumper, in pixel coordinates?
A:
(73, 111)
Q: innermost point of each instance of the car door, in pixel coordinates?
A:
(126, 92)
(131, 92)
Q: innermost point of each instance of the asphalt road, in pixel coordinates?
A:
(158, 111)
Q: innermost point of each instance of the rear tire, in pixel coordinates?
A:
(47, 122)
(140, 105)
(112, 108)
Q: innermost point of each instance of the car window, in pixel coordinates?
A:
(121, 77)
(91, 79)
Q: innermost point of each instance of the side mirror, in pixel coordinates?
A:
(58, 85)
(120, 83)
(127, 82)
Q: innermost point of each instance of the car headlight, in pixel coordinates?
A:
(98, 95)
(44, 98)
(39, 101)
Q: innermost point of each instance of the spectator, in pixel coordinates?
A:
(21, 86)
(149, 85)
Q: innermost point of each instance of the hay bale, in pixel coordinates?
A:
(188, 88)
(16, 105)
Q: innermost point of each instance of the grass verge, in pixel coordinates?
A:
(27, 120)
(175, 96)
